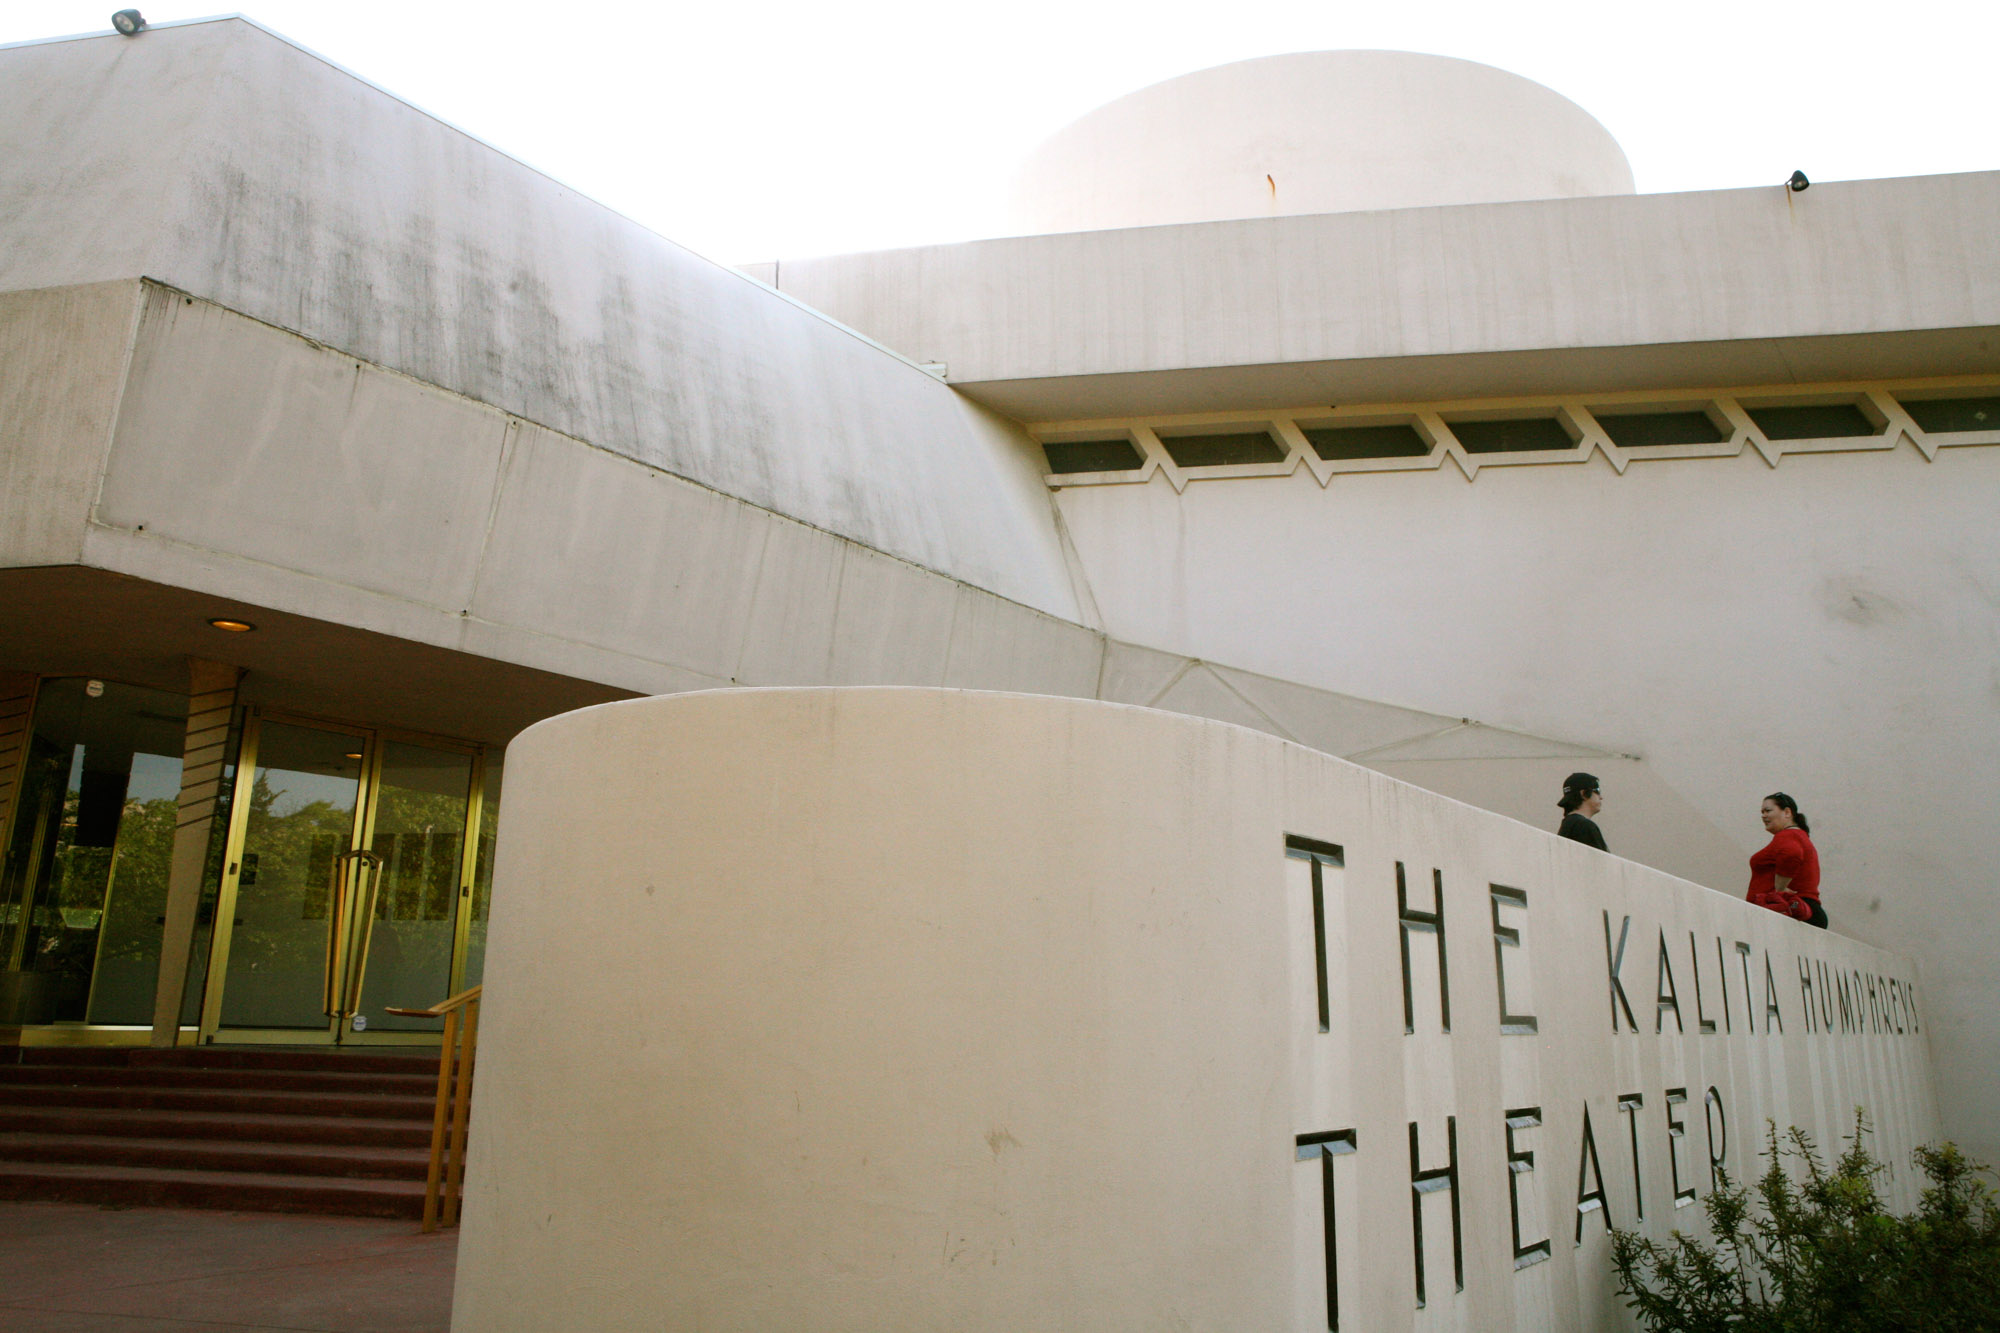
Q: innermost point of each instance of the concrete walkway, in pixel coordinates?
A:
(69, 1267)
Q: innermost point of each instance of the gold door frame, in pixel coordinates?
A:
(468, 871)
(467, 864)
(338, 1031)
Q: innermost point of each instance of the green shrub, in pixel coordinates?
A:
(1822, 1254)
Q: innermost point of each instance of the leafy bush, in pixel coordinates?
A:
(1822, 1254)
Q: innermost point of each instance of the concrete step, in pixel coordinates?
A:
(318, 1129)
(190, 1154)
(373, 1106)
(342, 1059)
(421, 1084)
(354, 1131)
(159, 1187)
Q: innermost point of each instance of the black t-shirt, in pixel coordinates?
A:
(1583, 829)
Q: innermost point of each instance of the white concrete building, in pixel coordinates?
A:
(1378, 415)
(1702, 479)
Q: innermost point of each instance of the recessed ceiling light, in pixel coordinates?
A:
(354, 754)
(233, 626)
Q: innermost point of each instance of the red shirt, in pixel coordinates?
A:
(1789, 853)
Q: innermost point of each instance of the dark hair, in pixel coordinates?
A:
(1577, 788)
(1784, 802)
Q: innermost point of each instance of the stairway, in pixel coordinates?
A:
(263, 1129)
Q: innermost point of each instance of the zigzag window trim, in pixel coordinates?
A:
(1728, 410)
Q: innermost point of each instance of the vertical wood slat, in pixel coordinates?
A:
(204, 754)
(17, 699)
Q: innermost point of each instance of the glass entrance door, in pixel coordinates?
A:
(298, 805)
(347, 885)
(418, 829)
(83, 879)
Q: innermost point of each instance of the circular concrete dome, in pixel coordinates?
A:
(1316, 132)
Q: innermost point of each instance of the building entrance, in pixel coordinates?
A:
(83, 878)
(351, 881)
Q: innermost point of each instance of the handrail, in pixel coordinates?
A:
(454, 1097)
(438, 1010)
(353, 924)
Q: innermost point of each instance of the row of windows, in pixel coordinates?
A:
(1540, 431)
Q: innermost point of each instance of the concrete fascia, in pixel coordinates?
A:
(1635, 292)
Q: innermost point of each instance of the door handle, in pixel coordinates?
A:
(357, 876)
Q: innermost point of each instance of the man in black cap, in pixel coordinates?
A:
(1580, 800)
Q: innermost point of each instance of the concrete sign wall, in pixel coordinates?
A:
(927, 1009)
(1821, 627)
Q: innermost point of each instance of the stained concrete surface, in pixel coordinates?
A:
(363, 224)
(70, 1267)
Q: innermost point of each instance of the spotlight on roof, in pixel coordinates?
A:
(128, 21)
(1798, 182)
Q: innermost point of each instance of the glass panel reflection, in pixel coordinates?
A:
(211, 879)
(84, 886)
(420, 810)
(300, 819)
(482, 874)
(128, 946)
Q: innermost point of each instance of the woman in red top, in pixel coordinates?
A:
(1785, 875)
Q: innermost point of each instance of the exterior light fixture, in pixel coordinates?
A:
(352, 754)
(1798, 183)
(232, 626)
(128, 22)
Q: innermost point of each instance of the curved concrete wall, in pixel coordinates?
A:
(1316, 132)
(908, 1009)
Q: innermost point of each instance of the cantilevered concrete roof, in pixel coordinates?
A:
(219, 159)
(1847, 280)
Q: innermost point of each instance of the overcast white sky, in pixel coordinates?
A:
(761, 129)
